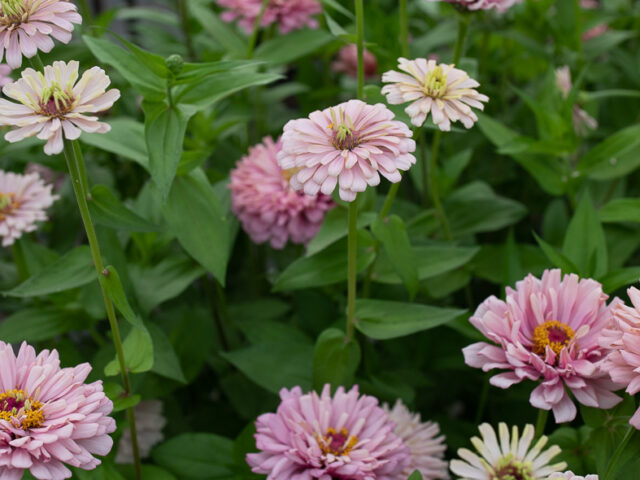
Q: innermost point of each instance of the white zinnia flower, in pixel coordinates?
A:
(569, 475)
(506, 458)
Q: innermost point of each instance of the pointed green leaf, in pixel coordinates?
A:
(35, 324)
(558, 259)
(108, 211)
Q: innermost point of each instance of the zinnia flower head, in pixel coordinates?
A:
(622, 337)
(346, 436)
(447, 92)
(48, 416)
(548, 329)
(288, 14)
(506, 457)
(27, 26)
(267, 206)
(426, 445)
(348, 145)
(149, 425)
(499, 5)
(23, 202)
(54, 105)
(347, 62)
(569, 475)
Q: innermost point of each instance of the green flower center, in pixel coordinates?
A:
(55, 101)
(435, 83)
(14, 11)
(508, 468)
(344, 137)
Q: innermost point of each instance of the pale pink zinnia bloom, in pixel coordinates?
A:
(595, 32)
(269, 209)
(548, 329)
(49, 417)
(569, 475)
(27, 26)
(5, 71)
(622, 337)
(505, 456)
(288, 14)
(24, 200)
(347, 62)
(447, 92)
(582, 121)
(349, 145)
(499, 5)
(346, 436)
(53, 105)
(426, 445)
(149, 425)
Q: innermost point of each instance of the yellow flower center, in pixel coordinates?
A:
(7, 204)
(287, 174)
(55, 101)
(553, 333)
(13, 11)
(336, 442)
(435, 83)
(508, 468)
(17, 404)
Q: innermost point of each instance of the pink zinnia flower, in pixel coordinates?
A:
(346, 436)
(347, 62)
(24, 200)
(426, 445)
(447, 92)
(53, 105)
(149, 425)
(622, 337)
(595, 32)
(267, 206)
(499, 5)
(288, 14)
(5, 72)
(348, 145)
(548, 329)
(27, 26)
(569, 475)
(49, 416)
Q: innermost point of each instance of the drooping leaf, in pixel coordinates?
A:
(35, 324)
(165, 359)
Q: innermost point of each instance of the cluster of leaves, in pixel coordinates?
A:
(216, 326)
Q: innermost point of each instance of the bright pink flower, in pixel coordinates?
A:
(5, 71)
(24, 200)
(623, 338)
(288, 14)
(49, 416)
(499, 5)
(548, 330)
(346, 436)
(347, 62)
(267, 206)
(569, 475)
(27, 26)
(348, 145)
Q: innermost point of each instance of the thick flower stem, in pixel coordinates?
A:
(541, 423)
(433, 183)
(352, 245)
(463, 26)
(360, 45)
(256, 28)
(36, 63)
(184, 20)
(404, 29)
(19, 259)
(609, 474)
(75, 163)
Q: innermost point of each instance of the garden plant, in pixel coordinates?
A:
(319, 239)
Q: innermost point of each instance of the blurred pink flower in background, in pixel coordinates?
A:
(5, 72)
(149, 425)
(53, 106)
(345, 436)
(442, 90)
(23, 202)
(289, 15)
(548, 329)
(266, 205)
(426, 445)
(347, 62)
(499, 5)
(27, 26)
(348, 146)
(589, 4)
(569, 475)
(582, 121)
(49, 416)
(595, 32)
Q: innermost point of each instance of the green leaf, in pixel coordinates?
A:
(126, 138)
(72, 270)
(384, 319)
(621, 210)
(335, 360)
(165, 360)
(616, 279)
(327, 267)
(108, 211)
(164, 129)
(196, 456)
(219, 30)
(138, 353)
(392, 233)
(105, 471)
(334, 227)
(150, 472)
(196, 218)
(287, 48)
(110, 281)
(144, 80)
(584, 243)
(35, 324)
(613, 147)
(416, 475)
(557, 258)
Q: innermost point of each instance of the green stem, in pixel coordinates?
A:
(75, 162)
(85, 11)
(425, 168)
(360, 45)
(435, 196)
(577, 14)
(184, 20)
(463, 26)
(404, 28)
(36, 63)
(541, 423)
(19, 259)
(482, 404)
(256, 28)
(351, 267)
(611, 470)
